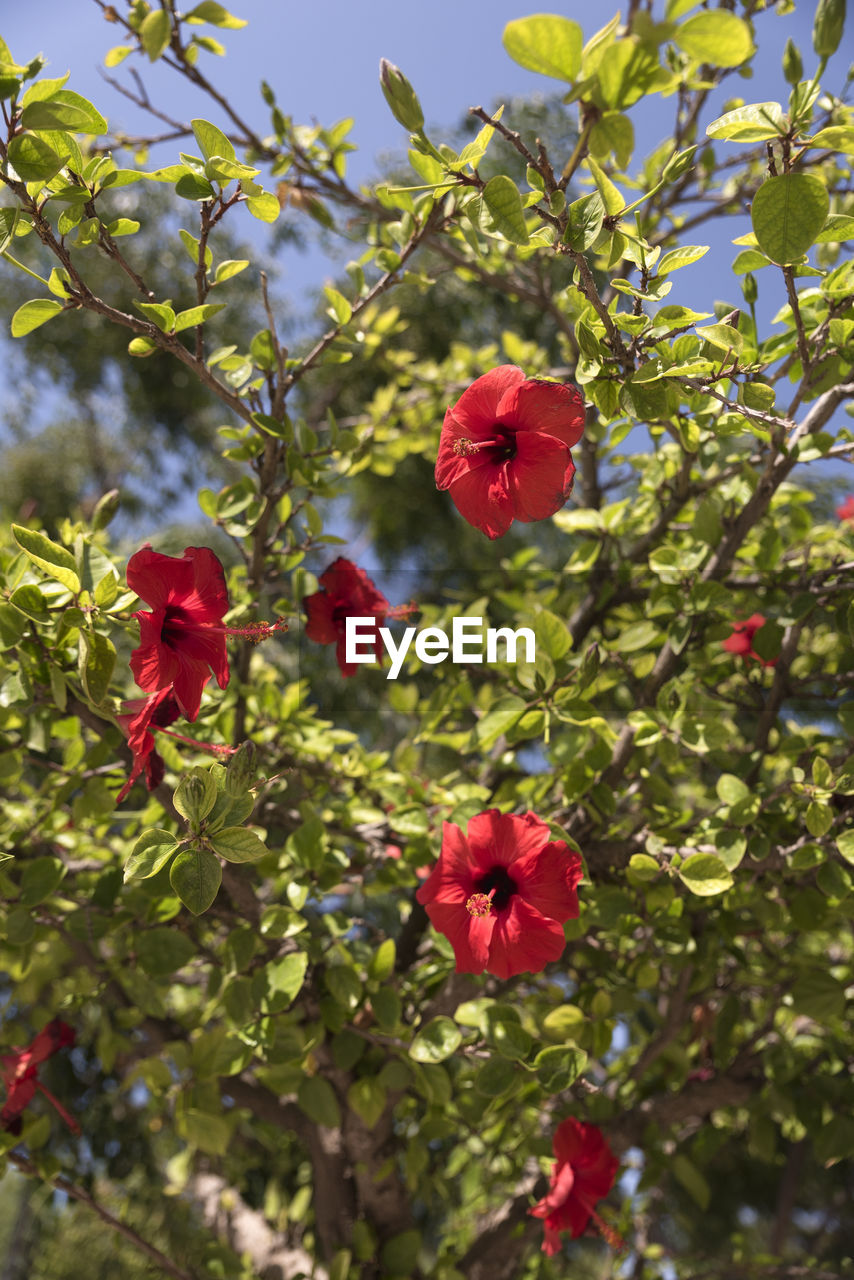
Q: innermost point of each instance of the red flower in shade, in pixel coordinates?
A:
(500, 892)
(504, 452)
(741, 640)
(182, 641)
(347, 593)
(846, 511)
(583, 1174)
(143, 715)
(19, 1073)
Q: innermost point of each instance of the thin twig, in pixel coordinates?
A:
(30, 1170)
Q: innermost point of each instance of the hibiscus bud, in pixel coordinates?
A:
(678, 164)
(827, 27)
(105, 508)
(195, 796)
(589, 668)
(793, 66)
(240, 770)
(401, 97)
(749, 289)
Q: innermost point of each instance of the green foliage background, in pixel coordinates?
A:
(278, 1071)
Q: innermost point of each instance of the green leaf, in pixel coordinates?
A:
(31, 601)
(196, 875)
(839, 137)
(316, 1098)
(381, 964)
(367, 1097)
(681, 257)
(215, 14)
(788, 213)
(155, 32)
(238, 844)
(33, 159)
(731, 789)
(53, 115)
(642, 868)
(705, 875)
(96, 660)
(33, 314)
(436, 1041)
(231, 267)
(845, 845)
(117, 54)
(56, 561)
(495, 1077)
(163, 951)
(158, 313)
(545, 43)
(212, 141)
(500, 717)
(399, 1255)
(584, 222)
(192, 187)
(718, 38)
(638, 636)
(286, 976)
(340, 306)
(819, 995)
(152, 851)
(39, 879)
(505, 204)
(754, 123)
(197, 315)
(264, 207)
(692, 1180)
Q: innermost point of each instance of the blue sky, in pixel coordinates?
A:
(322, 59)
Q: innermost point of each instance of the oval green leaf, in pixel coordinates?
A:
(152, 851)
(545, 43)
(195, 876)
(56, 561)
(33, 314)
(705, 875)
(436, 1041)
(717, 37)
(238, 844)
(788, 213)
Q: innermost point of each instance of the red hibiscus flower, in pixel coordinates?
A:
(143, 715)
(741, 640)
(584, 1173)
(182, 641)
(504, 452)
(846, 511)
(500, 892)
(19, 1073)
(347, 593)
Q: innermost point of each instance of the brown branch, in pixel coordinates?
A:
(74, 1192)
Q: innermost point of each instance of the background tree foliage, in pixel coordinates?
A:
(286, 1077)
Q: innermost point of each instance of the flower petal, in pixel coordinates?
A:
(547, 880)
(207, 598)
(523, 940)
(156, 578)
(483, 498)
(500, 838)
(541, 476)
(553, 408)
(476, 411)
(469, 935)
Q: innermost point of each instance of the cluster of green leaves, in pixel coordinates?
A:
(298, 1029)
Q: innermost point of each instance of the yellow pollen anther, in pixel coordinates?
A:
(464, 448)
(479, 904)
